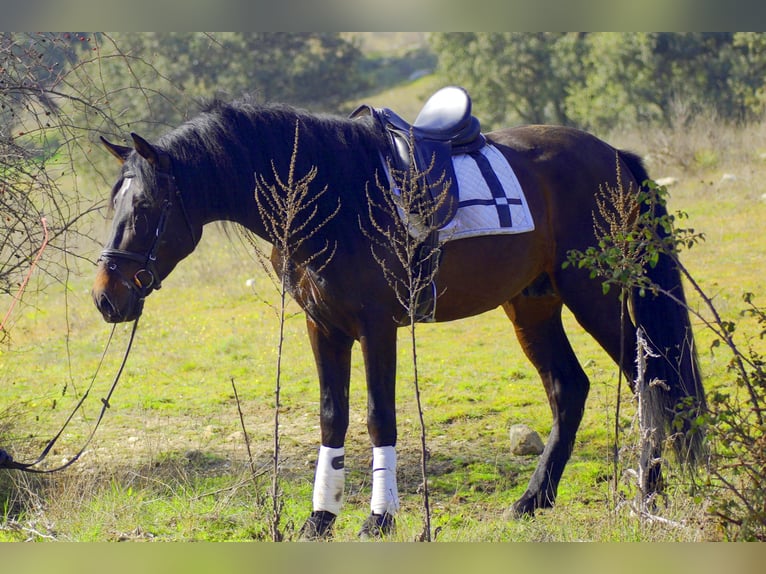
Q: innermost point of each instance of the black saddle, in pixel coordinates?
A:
(444, 127)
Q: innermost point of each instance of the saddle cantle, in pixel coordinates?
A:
(444, 127)
(447, 116)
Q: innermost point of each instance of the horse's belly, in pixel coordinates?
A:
(480, 273)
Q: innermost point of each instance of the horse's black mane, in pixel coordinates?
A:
(223, 147)
(263, 127)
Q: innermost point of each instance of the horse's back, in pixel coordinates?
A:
(562, 170)
(480, 273)
(552, 144)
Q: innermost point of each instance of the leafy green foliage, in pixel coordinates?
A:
(602, 80)
(628, 241)
(738, 476)
(513, 75)
(630, 238)
(317, 68)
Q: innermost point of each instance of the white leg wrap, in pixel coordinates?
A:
(329, 481)
(385, 496)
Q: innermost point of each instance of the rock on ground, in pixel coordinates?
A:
(525, 441)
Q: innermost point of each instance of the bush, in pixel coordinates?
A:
(735, 483)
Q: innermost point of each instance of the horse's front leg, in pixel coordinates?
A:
(332, 353)
(379, 352)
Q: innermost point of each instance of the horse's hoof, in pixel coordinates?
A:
(318, 526)
(377, 526)
(5, 459)
(523, 508)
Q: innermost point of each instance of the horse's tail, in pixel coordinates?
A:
(678, 400)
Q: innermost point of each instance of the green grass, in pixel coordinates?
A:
(169, 461)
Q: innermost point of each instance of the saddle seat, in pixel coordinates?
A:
(447, 116)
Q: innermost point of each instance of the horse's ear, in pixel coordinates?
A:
(146, 150)
(119, 151)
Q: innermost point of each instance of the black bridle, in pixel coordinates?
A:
(147, 278)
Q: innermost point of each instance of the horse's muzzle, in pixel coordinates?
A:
(116, 300)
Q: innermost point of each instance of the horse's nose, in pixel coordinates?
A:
(107, 308)
(114, 299)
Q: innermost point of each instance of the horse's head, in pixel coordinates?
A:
(151, 231)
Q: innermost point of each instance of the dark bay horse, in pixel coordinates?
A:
(206, 170)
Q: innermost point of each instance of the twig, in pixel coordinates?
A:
(37, 533)
(289, 210)
(23, 285)
(244, 431)
(409, 217)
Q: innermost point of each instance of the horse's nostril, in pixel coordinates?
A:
(105, 305)
(116, 310)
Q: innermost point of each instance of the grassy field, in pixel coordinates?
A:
(170, 460)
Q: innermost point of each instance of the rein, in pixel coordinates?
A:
(144, 281)
(6, 460)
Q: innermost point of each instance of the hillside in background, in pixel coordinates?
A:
(394, 59)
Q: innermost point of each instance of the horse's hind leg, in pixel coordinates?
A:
(601, 318)
(537, 320)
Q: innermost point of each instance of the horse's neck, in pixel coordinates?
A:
(228, 193)
(267, 172)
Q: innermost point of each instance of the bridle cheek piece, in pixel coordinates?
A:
(147, 278)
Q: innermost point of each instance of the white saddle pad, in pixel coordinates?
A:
(491, 199)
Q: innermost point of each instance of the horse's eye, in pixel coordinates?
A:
(140, 223)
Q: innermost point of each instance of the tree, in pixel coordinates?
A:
(668, 79)
(37, 143)
(176, 69)
(749, 71)
(513, 76)
(600, 81)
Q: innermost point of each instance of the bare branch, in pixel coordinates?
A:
(405, 224)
